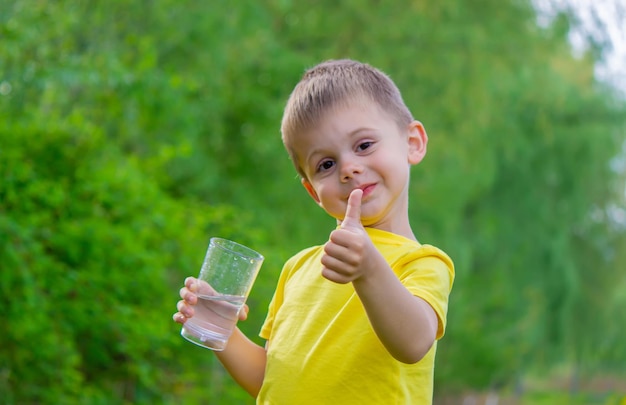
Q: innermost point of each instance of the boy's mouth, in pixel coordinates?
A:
(367, 189)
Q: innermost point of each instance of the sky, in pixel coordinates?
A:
(601, 20)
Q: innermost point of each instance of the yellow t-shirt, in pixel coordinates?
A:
(322, 348)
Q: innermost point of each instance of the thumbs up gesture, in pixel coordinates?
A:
(346, 253)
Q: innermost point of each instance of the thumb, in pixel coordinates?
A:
(353, 211)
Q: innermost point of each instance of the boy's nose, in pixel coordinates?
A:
(349, 169)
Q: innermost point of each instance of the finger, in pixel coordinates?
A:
(335, 277)
(179, 318)
(337, 264)
(353, 211)
(190, 283)
(188, 296)
(243, 312)
(186, 310)
(201, 287)
(339, 249)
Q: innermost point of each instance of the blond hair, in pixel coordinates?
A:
(333, 84)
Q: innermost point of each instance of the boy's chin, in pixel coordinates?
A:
(366, 222)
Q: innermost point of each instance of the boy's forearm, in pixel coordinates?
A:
(245, 362)
(405, 324)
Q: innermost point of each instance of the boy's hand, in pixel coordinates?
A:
(189, 294)
(346, 254)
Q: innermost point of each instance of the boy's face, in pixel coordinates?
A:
(361, 147)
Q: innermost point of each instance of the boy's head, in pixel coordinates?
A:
(334, 84)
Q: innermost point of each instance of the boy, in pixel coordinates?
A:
(354, 321)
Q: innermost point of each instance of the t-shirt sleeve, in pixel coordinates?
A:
(429, 274)
(290, 266)
(275, 303)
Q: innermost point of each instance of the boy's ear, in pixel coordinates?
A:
(309, 188)
(417, 142)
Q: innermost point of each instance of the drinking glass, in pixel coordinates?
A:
(226, 278)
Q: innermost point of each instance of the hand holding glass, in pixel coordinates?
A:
(226, 278)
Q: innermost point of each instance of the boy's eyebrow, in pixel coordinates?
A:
(359, 130)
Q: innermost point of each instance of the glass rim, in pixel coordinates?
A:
(241, 250)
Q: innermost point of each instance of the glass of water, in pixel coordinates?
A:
(226, 278)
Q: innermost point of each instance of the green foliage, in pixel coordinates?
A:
(89, 246)
(132, 132)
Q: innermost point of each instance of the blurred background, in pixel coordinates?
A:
(133, 131)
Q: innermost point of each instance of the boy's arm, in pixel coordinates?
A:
(245, 362)
(404, 323)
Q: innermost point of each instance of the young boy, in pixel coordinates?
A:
(355, 321)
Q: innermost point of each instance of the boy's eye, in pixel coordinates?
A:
(325, 165)
(364, 145)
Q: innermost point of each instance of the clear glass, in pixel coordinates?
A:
(225, 280)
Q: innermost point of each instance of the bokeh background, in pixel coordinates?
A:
(133, 131)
